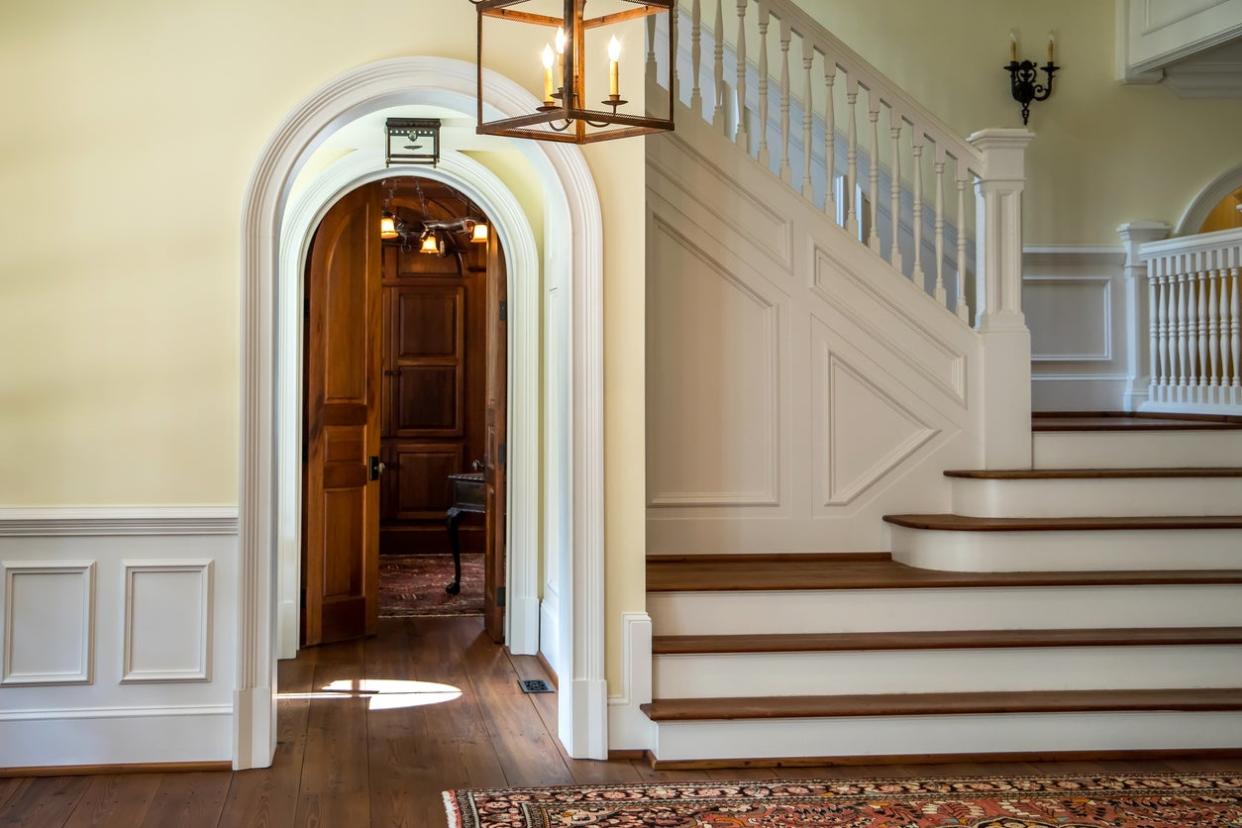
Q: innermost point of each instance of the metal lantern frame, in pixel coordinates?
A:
(571, 110)
(412, 129)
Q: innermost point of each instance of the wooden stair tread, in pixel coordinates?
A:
(932, 704)
(789, 573)
(1119, 421)
(1090, 474)
(942, 640)
(963, 523)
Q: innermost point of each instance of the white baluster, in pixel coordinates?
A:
(696, 56)
(1183, 351)
(894, 175)
(873, 170)
(916, 138)
(963, 311)
(1155, 302)
(1235, 325)
(830, 139)
(761, 117)
(1170, 327)
(1213, 329)
(786, 173)
(720, 118)
(808, 116)
(851, 159)
(741, 136)
(938, 168)
(1200, 319)
(1226, 355)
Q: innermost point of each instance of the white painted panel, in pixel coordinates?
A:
(1136, 449)
(997, 608)
(946, 671)
(1123, 497)
(48, 619)
(909, 735)
(168, 609)
(714, 418)
(1071, 318)
(119, 735)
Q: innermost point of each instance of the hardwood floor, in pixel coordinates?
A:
(345, 760)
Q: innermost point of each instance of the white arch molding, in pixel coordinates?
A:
(522, 261)
(1207, 199)
(451, 83)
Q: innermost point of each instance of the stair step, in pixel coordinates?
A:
(1122, 421)
(943, 640)
(1091, 474)
(933, 704)
(964, 523)
(788, 572)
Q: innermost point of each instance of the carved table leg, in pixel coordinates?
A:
(453, 521)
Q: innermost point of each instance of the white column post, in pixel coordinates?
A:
(1140, 309)
(1006, 412)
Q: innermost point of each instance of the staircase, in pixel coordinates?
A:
(1018, 626)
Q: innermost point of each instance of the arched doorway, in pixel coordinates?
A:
(577, 257)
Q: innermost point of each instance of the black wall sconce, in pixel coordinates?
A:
(1024, 77)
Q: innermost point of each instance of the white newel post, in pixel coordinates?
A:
(1141, 305)
(1006, 409)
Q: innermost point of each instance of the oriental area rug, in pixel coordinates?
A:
(412, 586)
(1159, 801)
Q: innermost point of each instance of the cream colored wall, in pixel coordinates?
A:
(129, 135)
(1104, 153)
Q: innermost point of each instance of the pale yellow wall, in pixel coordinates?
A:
(129, 135)
(1104, 153)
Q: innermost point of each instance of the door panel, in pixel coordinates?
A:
(422, 490)
(341, 539)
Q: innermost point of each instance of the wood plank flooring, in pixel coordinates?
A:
(343, 763)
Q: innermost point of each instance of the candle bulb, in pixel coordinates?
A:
(614, 68)
(1052, 46)
(560, 56)
(1013, 47)
(547, 74)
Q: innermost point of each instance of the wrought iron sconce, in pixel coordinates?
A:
(412, 141)
(1024, 77)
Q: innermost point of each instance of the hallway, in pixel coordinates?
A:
(350, 761)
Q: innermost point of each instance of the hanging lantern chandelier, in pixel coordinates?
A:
(566, 113)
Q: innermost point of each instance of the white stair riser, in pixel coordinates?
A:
(946, 671)
(911, 735)
(1136, 449)
(1068, 551)
(1006, 608)
(1121, 497)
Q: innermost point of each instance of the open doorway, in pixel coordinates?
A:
(404, 419)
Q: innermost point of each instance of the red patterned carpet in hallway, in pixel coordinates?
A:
(413, 585)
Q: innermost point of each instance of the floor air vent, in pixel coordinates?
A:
(534, 686)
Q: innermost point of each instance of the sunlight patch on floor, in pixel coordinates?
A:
(382, 694)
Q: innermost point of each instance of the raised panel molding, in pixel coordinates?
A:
(49, 622)
(167, 622)
(933, 357)
(760, 385)
(866, 433)
(1101, 325)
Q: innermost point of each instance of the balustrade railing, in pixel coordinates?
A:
(921, 220)
(1195, 321)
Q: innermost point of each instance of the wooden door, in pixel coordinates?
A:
(496, 429)
(341, 490)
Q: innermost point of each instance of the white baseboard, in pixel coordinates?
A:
(1079, 392)
(524, 626)
(288, 628)
(549, 635)
(628, 727)
(113, 736)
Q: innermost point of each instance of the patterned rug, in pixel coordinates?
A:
(413, 585)
(1160, 801)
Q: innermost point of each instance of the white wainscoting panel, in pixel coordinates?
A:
(119, 631)
(792, 399)
(167, 621)
(49, 622)
(1075, 300)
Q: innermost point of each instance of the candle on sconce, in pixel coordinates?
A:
(560, 55)
(1013, 47)
(1052, 46)
(614, 67)
(548, 87)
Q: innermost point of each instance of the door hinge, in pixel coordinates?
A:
(500, 596)
(504, 310)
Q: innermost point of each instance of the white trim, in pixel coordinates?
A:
(203, 673)
(1201, 205)
(86, 665)
(583, 727)
(38, 715)
(97, 521)
(628, 726)
(522, 260)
